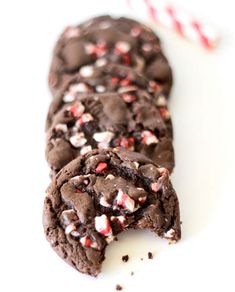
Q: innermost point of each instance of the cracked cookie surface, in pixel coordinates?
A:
(98, 196)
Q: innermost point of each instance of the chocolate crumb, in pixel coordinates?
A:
(125, 258)
(118, 287)
(141, 259)
(150, 255)
(132, 273)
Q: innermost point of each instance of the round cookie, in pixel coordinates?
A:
(111, 78)
(105, 120)
(96, 197)
(104, 40)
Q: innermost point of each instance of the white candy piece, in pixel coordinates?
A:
(89, 48)
(85, 149)
(100, 88)
(124, 47)
(110, 176)
(100, 62)
(79, 87)
(71, 227)
(85, 118)
(78, 140)
(86, 71)
(68, 97)
(161, 101)
(149, 138)
(104, 203)
(104, 137)
(61, 127)
(169, 234)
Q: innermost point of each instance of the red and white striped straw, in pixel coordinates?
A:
(180, 21)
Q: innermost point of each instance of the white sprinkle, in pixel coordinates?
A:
(78, 140)
(86, 71)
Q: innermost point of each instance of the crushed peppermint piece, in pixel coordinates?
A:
(125, 89)
(76, 109)
(164, 113)
(71, 227)
(78, 140)
(149, 138)
(85, 118)
(61, 127)
(85, 241)
(101, 62)
(101, 167)
(155, 187)
(86, 71)
(85, 149)
(79, 87)
(89, 48)
(68, 97)
(102, 225)
(161, 100)
(121, 220)
(100, 88)
(127, 143)
(104, 203)
(128, 97)
(125, 201)
(169, 234)
(123, 47)
(104, 138)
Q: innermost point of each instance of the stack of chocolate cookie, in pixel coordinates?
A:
(109, 140)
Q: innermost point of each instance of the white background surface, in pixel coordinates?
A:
(202, 106)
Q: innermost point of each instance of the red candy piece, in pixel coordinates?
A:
(101, 167)
(127, 142)
(164, 113)
(128, 97)
(125, 82)
(127, 59)
(115, 80)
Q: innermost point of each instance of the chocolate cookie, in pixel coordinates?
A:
(111, 78)
(105, 40)
(95, 197)
(106, 120)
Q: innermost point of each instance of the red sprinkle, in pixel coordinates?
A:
(101, 167)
